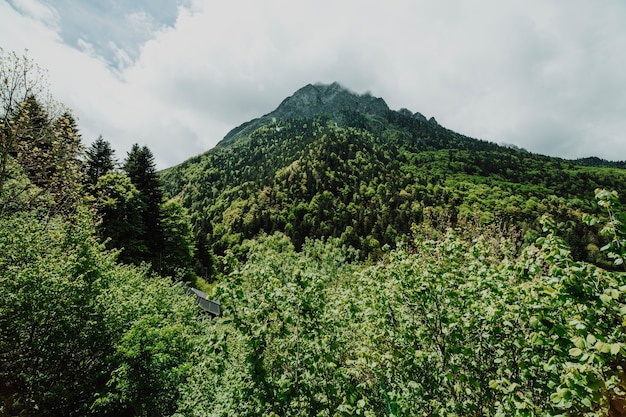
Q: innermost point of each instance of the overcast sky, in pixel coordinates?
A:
(549, 76)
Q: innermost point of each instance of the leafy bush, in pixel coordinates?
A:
(78, 329)
(462, 322)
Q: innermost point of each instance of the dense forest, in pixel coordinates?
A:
(368, 262)
(366, 178)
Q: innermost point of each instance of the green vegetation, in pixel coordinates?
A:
(135, 217)
(382, 266)
(82, 334)
(367, 179)
(459, 322)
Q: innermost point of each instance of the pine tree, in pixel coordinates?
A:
(22, 82)
(32, 148)
(140, 168)
(100, 160)
(66, 169)
(121, 209)
(48, 151)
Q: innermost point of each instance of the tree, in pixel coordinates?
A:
(100, 160)
(178, 248)
(140, 168)
(66, 165)
(121, 209)
(48, 151)
(21, 83)
(52, 344)
(38, 133)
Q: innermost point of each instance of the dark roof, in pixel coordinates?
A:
(210, 306)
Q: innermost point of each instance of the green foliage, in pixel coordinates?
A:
(140, 168)
(367, 179)
(458, 323)
(19, 193)
(80, 333)
(139, 222)
(52, 344)
(280, 349)
(615, 227)
(156, 329)
(100, 160)
(47, 150)
(121, 208)
(178, 248)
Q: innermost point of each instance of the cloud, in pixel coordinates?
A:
(40, 12)
(547, 76)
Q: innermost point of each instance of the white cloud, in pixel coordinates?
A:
(547, 76)
(141, 21)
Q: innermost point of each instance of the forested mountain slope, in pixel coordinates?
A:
(328, 162)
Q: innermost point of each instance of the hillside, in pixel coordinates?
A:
(330, 163)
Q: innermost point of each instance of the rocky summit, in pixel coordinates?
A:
(328, 99)
(315, 99)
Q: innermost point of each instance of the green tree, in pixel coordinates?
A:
(53, 344)
(48, 151)
(283, 328)
(178, 247)
(121, 209)
(20, 78)
(82, 334)
(66, 175)
(140, 168)
(100, 160)
(38, 133)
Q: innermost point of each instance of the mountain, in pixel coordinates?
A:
(312, 100)
(330, 163)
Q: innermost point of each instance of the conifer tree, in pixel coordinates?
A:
(66, 169)
(140, 168)
(121, 209)
(48, 151)
(33, 147)
(100, 160)
(22, 81)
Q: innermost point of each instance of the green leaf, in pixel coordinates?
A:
(605, 298)
(591, 339)
(575, 351)
(602, 347)
(615, 348)
(578, 341)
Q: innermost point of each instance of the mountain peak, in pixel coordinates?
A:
(312, 100)
(331, 99)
